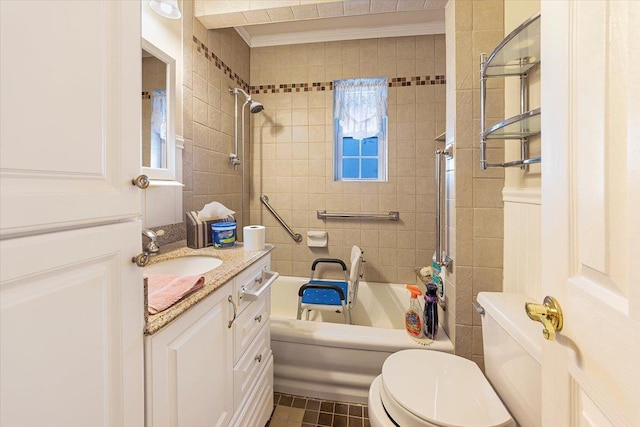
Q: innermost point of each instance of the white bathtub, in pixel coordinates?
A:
(326, 359)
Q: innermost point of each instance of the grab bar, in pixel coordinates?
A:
(295, 236)
(392, 216)
(442, 259)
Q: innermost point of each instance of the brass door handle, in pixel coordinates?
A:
(141, 259)
(549, 314)
(141, 181)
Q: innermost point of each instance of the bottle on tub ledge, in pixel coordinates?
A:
(431, 311)
(413, 317)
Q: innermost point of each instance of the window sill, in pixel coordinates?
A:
(161, 183)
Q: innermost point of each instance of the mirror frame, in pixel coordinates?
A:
(168, 173)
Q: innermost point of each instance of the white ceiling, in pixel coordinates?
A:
(296, 21)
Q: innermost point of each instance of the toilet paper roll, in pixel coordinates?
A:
(253, 237)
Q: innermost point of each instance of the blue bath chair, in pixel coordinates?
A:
(332, 295)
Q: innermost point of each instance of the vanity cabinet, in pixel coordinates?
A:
(213, 364)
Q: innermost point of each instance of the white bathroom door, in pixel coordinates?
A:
(69, 114)
(591, 210)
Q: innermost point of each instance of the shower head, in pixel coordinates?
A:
(255, 107)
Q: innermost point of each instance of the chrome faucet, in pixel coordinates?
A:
(152, 247)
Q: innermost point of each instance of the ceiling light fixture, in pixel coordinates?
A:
(167, 8)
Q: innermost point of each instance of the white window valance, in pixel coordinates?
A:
(360, 106)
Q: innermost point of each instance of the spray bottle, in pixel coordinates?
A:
(413, 317)
(431, 311)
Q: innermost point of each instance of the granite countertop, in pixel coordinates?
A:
(234, 260)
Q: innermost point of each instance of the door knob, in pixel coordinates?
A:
(141, 181)
(141, 259)
(549, 314)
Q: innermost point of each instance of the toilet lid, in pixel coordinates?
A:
(441, 389)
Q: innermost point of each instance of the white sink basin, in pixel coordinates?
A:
(184, 266)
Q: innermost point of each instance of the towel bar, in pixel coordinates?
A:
(392, 216)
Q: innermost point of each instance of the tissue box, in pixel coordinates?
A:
(199, 232)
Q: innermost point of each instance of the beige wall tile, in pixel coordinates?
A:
(406, 48)
(487, 252)
(464, 178)
(464, 278)
(488, 222)
(486, 13)
(487, 193)
(487, 279)
(464, 15)
(464, 341)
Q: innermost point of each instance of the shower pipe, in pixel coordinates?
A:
(295, 236)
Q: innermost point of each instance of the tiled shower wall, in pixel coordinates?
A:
(292, 152)
(475, 225)
(214, 61)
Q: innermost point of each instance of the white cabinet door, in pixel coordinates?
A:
(69, 115)
(591, 210)
(71, 322)
(190, 367)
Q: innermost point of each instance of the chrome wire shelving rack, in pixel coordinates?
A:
(517, 55)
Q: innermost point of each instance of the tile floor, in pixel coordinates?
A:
(298, 411)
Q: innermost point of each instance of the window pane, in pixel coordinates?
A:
(350, 147)
(370, 168)
(350, 168)
(370, 146)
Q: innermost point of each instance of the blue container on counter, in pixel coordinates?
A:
(224, 234)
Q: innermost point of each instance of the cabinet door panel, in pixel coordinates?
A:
(71, 329)
(70, 114)
(191, 377)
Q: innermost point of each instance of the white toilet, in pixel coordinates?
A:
(431, 388)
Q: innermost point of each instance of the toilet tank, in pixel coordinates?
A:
(512, 354)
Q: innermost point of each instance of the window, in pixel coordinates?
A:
(360, 128)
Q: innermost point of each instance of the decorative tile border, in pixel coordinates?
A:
(418, 81)
(291, 87)
(321, 86)
(305, 87)
(202, 48)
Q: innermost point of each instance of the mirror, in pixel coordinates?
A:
(158, 113)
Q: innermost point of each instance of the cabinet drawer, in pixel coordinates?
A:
(250, 323)
(246, 371)
(256, 408)
(249, 279)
